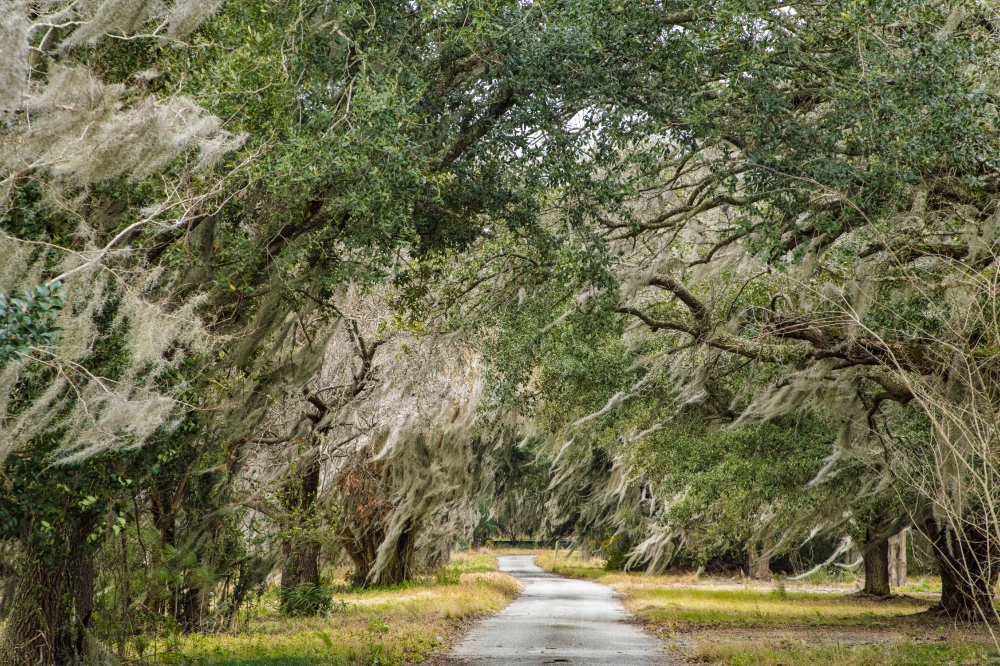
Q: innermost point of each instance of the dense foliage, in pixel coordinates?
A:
(327, 281)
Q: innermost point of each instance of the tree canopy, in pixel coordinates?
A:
(290, 281)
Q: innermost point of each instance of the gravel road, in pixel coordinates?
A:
(557, 621)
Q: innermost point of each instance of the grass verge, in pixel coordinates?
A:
(902, 653)
(734, 622)
(379, 627)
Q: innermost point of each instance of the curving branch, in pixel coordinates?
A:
(832, 341)
(655, 324)
(725, 242)
(698, 310)
(477, 130)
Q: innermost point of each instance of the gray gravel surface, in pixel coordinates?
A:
(557, 621)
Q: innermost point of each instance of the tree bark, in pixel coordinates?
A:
(301, 555)
(52, 608)
(290, 573)
(301, 565)
(28, 638)
(309, 565)
(83, 598)
(309, 553)
(969, 571)
(967, 560)
(363, 552)
(362, 548)
(401, 566)
(759, 562)
(876, 556)
(897, 559)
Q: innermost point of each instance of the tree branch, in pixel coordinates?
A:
(655, 324)
(478, 130)
(698, 310)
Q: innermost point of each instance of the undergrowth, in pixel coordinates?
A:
(380, 626)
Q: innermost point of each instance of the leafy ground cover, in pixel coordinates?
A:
(738, 622)
(381, 626)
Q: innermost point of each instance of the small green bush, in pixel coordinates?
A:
(616, 554)
(305, 600)
(449, 575)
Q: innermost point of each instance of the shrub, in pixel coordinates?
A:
(305, 599)
(449, 575)
(616, 554)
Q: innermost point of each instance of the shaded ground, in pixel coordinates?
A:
(557, 620)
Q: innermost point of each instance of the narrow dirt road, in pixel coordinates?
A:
(557, 621)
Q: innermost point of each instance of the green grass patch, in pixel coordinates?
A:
(922, 585)
(266, 661)
(903, 653)
(680, 602)
(831, 575)
(474, 562)
(685, 609)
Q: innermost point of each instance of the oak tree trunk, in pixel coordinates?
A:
(309, 564)
(759, 562)
(309, 554)
(290, 564)
(301, 557)
(876, 557)
(52, 609)
(363, 550)
(969, 572)
(365, 513)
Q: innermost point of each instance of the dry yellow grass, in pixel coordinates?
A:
(379, 626)
(737, 622)
(795, 653)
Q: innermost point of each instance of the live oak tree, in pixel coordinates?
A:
(818, 208)
(241, 171)
(244, 161)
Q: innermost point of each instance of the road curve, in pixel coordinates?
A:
(557, 621)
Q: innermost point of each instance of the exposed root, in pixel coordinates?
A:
(861, 595)
(964, 616)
